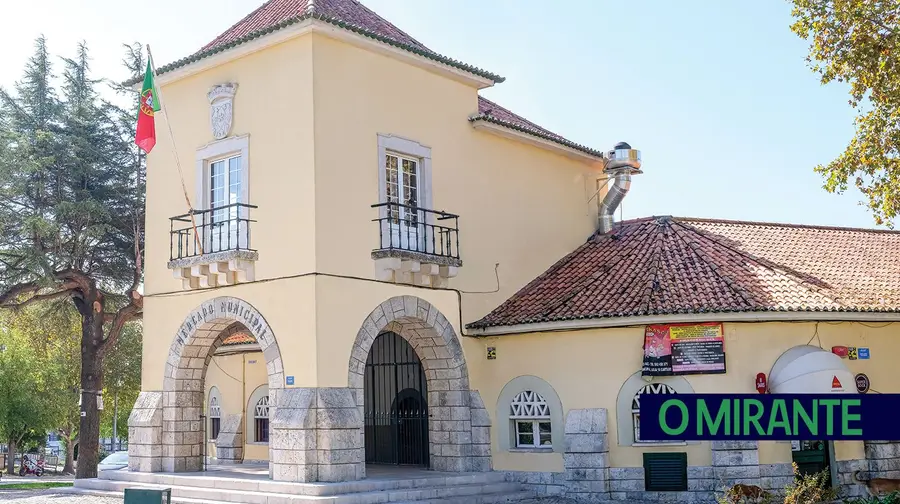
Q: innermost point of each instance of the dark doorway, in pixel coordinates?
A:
(396, 409)
(812, 457)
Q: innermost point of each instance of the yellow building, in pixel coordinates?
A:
(365, 279)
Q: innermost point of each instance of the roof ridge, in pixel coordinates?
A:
(797, 277)
(714, 268)
(784, 224)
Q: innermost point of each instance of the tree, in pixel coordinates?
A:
(71, 215)
(858, 42)
(22, 393)
(122, 376)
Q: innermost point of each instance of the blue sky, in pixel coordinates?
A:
(716, 95)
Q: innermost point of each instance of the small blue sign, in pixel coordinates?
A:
(290, 380)
(863, 353)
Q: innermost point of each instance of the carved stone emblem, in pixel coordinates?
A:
(221, 109)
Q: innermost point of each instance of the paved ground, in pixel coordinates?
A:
(57, 497)
(53, 496)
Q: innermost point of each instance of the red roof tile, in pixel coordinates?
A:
(671, 265)
(491, 112)
(274, 12)
(238, 338)
(349, 15)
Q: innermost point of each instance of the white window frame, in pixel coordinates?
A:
(222, 150)
(255, 397)
(414, 151)
(215, 410)
(529, 408)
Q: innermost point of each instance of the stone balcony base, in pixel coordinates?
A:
(414, 268)
(229, 267)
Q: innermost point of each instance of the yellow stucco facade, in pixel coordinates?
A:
(311, 105)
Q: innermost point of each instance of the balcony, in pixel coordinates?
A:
(211, 248)
(415, 245)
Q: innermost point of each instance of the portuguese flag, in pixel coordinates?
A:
(145, 137)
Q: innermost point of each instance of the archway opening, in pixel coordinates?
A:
(187, 420)
(396, 408)
(455, 421)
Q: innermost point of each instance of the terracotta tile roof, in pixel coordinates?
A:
(674, 265)
(491, 112)
(346, 14)
(238, 338)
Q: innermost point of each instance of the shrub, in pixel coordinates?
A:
(810, 488)
(891, 498)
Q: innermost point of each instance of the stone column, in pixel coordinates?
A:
(230, 442)
(315, 436)
(481, 434)
(735, 462)
(145, 433)
(586, 454)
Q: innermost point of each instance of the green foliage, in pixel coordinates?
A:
(122, 375)
(37, 485)
(810, 488)
(858, 42)
(24, 389)
(891, 498)
(70, 198)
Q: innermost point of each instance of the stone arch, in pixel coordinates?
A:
(196, 341)
(459, 427)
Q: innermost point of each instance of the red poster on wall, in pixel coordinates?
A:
(680, 349)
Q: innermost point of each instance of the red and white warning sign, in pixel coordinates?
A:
(836, 385)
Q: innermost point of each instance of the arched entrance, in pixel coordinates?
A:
(457, 423)
(396, 409)
(192, 350)
(808, 369)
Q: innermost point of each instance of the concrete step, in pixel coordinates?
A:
(210, 480)
(465, 493)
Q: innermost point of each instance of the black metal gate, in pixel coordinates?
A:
(396, 410)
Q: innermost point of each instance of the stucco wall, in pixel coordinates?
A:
(520, 206)
(288, 307)
(587, 369)
(273, 105)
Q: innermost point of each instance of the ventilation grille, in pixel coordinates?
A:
(665, 472)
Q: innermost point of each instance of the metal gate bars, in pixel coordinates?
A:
(396, 410)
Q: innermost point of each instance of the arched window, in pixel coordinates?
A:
(530, 415)
(215, 414)
(628, 403)
(261, 417)
(653, 388)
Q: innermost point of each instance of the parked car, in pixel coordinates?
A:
(118, 460)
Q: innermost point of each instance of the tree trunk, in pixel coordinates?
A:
(69, 466)
(11, 457)
(91, 385)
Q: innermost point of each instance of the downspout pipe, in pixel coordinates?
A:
(621, 163)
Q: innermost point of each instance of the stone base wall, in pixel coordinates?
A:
(775, 478)
(845, 470)
(145, 433)
(586, 455)
(735, 462)
(543, 484)
(315, 436)
(481, 434)
(230, 442)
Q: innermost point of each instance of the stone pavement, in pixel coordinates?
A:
(52, 495)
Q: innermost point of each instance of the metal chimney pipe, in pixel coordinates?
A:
(621, 163)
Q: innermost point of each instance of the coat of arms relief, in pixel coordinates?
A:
(221, 109)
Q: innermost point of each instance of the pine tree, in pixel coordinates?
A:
(71, 215)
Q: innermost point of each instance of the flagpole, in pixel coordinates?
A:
(187, 199)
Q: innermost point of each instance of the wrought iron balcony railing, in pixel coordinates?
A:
(417, 230)
(218, 229)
